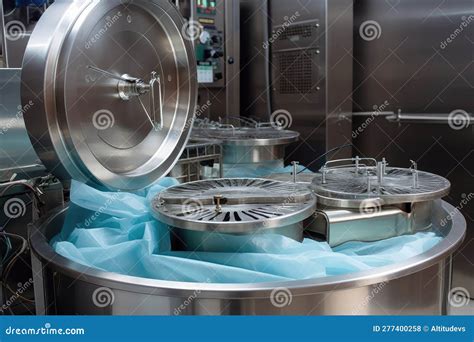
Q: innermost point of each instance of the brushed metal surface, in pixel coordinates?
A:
(411, 69)
(81, 127)
(311, 75)
(418, 286)
(16, 152)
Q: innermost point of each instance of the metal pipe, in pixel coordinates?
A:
(379, 175)
(465, 118)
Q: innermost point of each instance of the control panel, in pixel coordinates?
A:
(210, 53)
(206, 20)
(214, 28)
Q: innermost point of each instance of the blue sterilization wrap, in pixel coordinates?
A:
(114, 231)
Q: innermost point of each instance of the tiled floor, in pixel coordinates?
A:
(464, 310)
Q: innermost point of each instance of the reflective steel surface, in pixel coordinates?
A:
(413, 67)
(413, 287)
(16, 152)
(114, 83)
(234, 206)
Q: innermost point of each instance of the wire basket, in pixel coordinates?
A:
(196, 159)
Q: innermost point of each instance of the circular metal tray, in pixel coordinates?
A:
(349, 187)
(113, 87)
(237, 206)
(244, 136)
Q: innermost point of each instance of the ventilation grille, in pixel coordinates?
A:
(298, 31)
(243, 214)
(298, 72)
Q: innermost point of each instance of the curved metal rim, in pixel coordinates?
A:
(378, 201)
(308, 208)
(239, 227)
(345, 200)
(42, 249)
(255, 142)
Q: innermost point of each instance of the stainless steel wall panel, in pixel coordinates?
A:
(422, 62)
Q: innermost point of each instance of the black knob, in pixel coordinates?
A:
(217, 54)
(231, 60)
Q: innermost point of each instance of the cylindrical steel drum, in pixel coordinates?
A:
(244, 145)
(417, 286)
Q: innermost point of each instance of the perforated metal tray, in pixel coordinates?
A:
(349, 186)
(234, 205)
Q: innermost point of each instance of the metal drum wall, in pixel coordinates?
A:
(67, 288)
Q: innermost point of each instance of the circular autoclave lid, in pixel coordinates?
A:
(112, 86)
(237, 206)
(350, 183)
